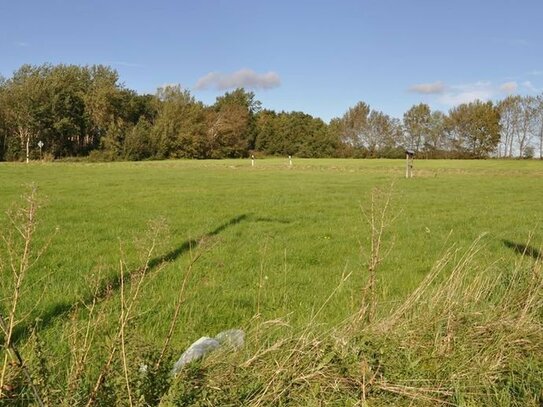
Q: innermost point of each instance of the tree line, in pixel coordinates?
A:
(80, 111)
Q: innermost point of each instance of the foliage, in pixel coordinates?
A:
(474, 129)
(417, 124)
(178, 129)
(85, 111)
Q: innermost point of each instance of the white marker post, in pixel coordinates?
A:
(290, 161)
(40, 145)
(409, 154)
(252, 160)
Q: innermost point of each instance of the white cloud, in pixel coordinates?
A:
(536, 72)
(434, 88)
(244, 78)
(467, 93)
(452, 99)
(453, 95)
(509, 87)
(529, 85)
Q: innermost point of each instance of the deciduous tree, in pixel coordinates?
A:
(474, 129)
(416, 123)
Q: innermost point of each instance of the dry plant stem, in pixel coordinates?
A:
(285, 269)
(261, 279)
(281, 366)
(179, 302)
(260, 286)
(24, 222)
(81, 351)
(16, 356)
(123, 321)
(122, 334)
(378, 220)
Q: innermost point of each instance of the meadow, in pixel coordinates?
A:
(251, 244)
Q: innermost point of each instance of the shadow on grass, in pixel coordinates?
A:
(112, 284)
(273, 220)
(524, 250)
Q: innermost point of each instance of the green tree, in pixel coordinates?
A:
(3, 120)
(231, 124)
(335, 133)
(416, 123)
(138, 143)
(66, 123)
(355, 126)
(474, 129)
(179, 128)
(25, 98)
(509, 121)
(104, 107)
(436, 142)
(527, 128)
(369, 133)
(266, 130)
(538, 123)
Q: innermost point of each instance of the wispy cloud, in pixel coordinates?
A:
(535, 72)
(244, 78)
(467, 93)
(22, 44)
(509, 87)
(530, 86)
(434, 88)
(453, 95)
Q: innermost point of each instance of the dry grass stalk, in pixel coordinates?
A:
(379, 220)
(18, 244)
(127, 306)
(82, 340)
(180, 300)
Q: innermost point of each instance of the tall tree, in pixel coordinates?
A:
(369, 133)
(539, 123)
(382, 135)
(526, 125)
(232, 124)
(3, 122)
(355, 126)
(266, 130)
(417, 122)
(24, 109)
(179, 128)
(436, 143)
(474, 129)
(510, 112)
(104, 106)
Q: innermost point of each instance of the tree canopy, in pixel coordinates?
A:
(79, 111)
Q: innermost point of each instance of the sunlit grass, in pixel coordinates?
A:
(279, 238)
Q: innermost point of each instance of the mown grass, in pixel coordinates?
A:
(275, 240)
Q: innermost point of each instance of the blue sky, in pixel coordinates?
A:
(320, 57)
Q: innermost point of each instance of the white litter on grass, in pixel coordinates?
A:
(231, 338)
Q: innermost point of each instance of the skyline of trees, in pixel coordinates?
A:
(79, 111)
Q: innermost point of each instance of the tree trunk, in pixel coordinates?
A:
(541, 142)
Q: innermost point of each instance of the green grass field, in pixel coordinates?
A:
(277, 239)
(302, 226)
